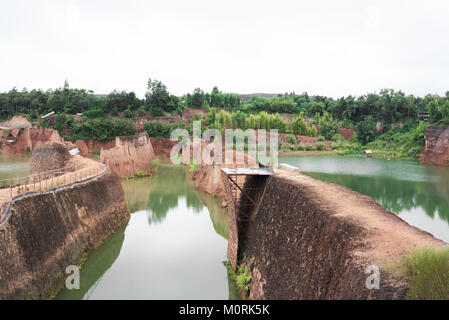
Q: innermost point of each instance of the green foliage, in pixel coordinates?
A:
(102, 129)
(427, 273)
(320, 146)
(140, 174)
(155, 165)
(308, 147)
(162, 130)
(94, 113)
(128, 113)
(401, 142)
(290, 139)
(366, 129)
(242, 276)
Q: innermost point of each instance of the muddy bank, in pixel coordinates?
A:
(310, 239)
(436, 150)
(130, 155)
(49, 231)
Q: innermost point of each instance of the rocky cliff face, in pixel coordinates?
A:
(310, 239)
(47, 232)
(208, 177)
(436, 151)
(21, 140)
(130, 155)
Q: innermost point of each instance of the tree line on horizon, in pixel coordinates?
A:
(363, 113)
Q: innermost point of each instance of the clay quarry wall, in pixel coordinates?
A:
(21, 140)
(436, 150)
(130, 155)
(49, 231)
(311, 239)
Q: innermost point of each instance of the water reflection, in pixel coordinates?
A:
(173, 246)
(98, 263)
(406, 188)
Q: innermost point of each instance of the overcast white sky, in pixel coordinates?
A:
(332, 48)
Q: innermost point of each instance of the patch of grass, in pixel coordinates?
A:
(155, 165)
(427, 272)
(242, 276)
(138, 174)
(447, 160)
(194, 167)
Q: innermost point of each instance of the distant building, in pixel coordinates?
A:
(49, 115)
(423, 115)
(368, 153)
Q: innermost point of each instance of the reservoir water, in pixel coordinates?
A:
(13, 166)
(418, 194)
(172, 248)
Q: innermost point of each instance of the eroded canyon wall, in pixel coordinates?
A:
(311, 239)
(22, 140)
(49, 231)
(130, 155)
(436, 151)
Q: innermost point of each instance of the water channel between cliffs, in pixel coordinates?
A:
(172, 248)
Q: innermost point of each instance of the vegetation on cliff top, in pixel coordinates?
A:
(427, 273)
(368, 114)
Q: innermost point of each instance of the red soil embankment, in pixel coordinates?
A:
(162, 146)
(436, 151)
(130, 155)
(310, 239)
(48, 231)
(19, 141)
(208, 177)
(346, 133)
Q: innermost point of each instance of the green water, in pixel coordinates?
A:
(418, 194)
(172, 248)
(13, 167)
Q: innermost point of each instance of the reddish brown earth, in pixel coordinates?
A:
(162, 146)
(95, 146)
(346, 132)
(130, 155)
(436, 151)
(17, 122)
(208, 177)
(49, 231)
(18, 141)
(311, 239)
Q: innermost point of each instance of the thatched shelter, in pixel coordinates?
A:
(48, 156)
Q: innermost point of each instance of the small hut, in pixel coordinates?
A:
(368, 153)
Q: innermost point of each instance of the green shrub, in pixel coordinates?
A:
(94, 113)
(162, 130)
(427, 273)
(308, 147)
(335, 146)
(291, 147)
(321, 138)
(128, 113)
(242, 276)
(290, 139)
(320, 146)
